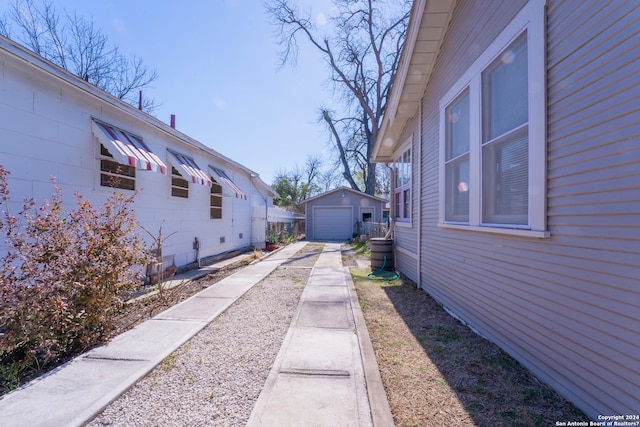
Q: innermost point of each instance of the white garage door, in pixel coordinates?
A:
(332, 223)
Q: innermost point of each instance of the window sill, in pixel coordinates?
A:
(496, 230)
(403, 224)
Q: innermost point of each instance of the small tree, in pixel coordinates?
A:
(297, 185)
(64, 275)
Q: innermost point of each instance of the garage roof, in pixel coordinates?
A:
(356, 192)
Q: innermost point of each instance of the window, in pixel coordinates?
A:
(493, 138)
(505, 118)
(121, 153)
(457, 160)
(215, 204)
(179, 185)
(224, 179)
(114, 174)
(402, 186)
(188, 169)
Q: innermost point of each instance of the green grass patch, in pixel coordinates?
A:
(362, 248)
(446, 335)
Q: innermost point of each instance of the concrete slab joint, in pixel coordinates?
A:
(320, 374)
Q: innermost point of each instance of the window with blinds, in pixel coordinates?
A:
(457, 159)
(505, 148)
(492, 140)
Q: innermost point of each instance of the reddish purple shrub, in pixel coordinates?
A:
(64, 276)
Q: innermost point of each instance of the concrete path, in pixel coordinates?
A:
(325, 374)
(73, 393)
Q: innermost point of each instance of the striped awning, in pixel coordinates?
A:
(189, 169)
(224, 180)
(127, 149)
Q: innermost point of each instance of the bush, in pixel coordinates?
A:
(64, 276)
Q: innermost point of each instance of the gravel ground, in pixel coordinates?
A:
(216, 378)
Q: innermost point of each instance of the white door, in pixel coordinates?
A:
(332, 223)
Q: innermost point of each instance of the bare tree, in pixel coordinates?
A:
(362, 53)
(383, 181)
(77, 45)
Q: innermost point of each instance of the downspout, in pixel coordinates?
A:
(392, 214)
(419, 192)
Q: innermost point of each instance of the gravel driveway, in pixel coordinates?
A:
(216, 377)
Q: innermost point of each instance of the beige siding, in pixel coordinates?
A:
(567, 307)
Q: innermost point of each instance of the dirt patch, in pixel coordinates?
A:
(142, 309)
(147, 308)
(437, 372)
(355, 252)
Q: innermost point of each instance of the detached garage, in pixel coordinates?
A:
(335, 215)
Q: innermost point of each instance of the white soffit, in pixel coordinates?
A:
(429, 21)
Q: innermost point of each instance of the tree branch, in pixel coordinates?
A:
(343, 158)
(362, 49)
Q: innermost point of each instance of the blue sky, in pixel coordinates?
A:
(218, 68)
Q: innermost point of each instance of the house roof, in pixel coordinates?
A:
(39, 63)
(260, 185)
(427, 27)
(356, 192)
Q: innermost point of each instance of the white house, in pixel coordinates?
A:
(53, 124)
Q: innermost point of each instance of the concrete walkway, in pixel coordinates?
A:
(324, 374)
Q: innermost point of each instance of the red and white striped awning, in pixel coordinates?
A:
(189, 169)
(127, 149)
(223, 179)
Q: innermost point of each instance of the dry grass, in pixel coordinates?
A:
(437, 372)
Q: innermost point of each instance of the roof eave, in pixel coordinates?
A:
(344, 188)
(37, 62)
(260, 184)
(427, 27)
